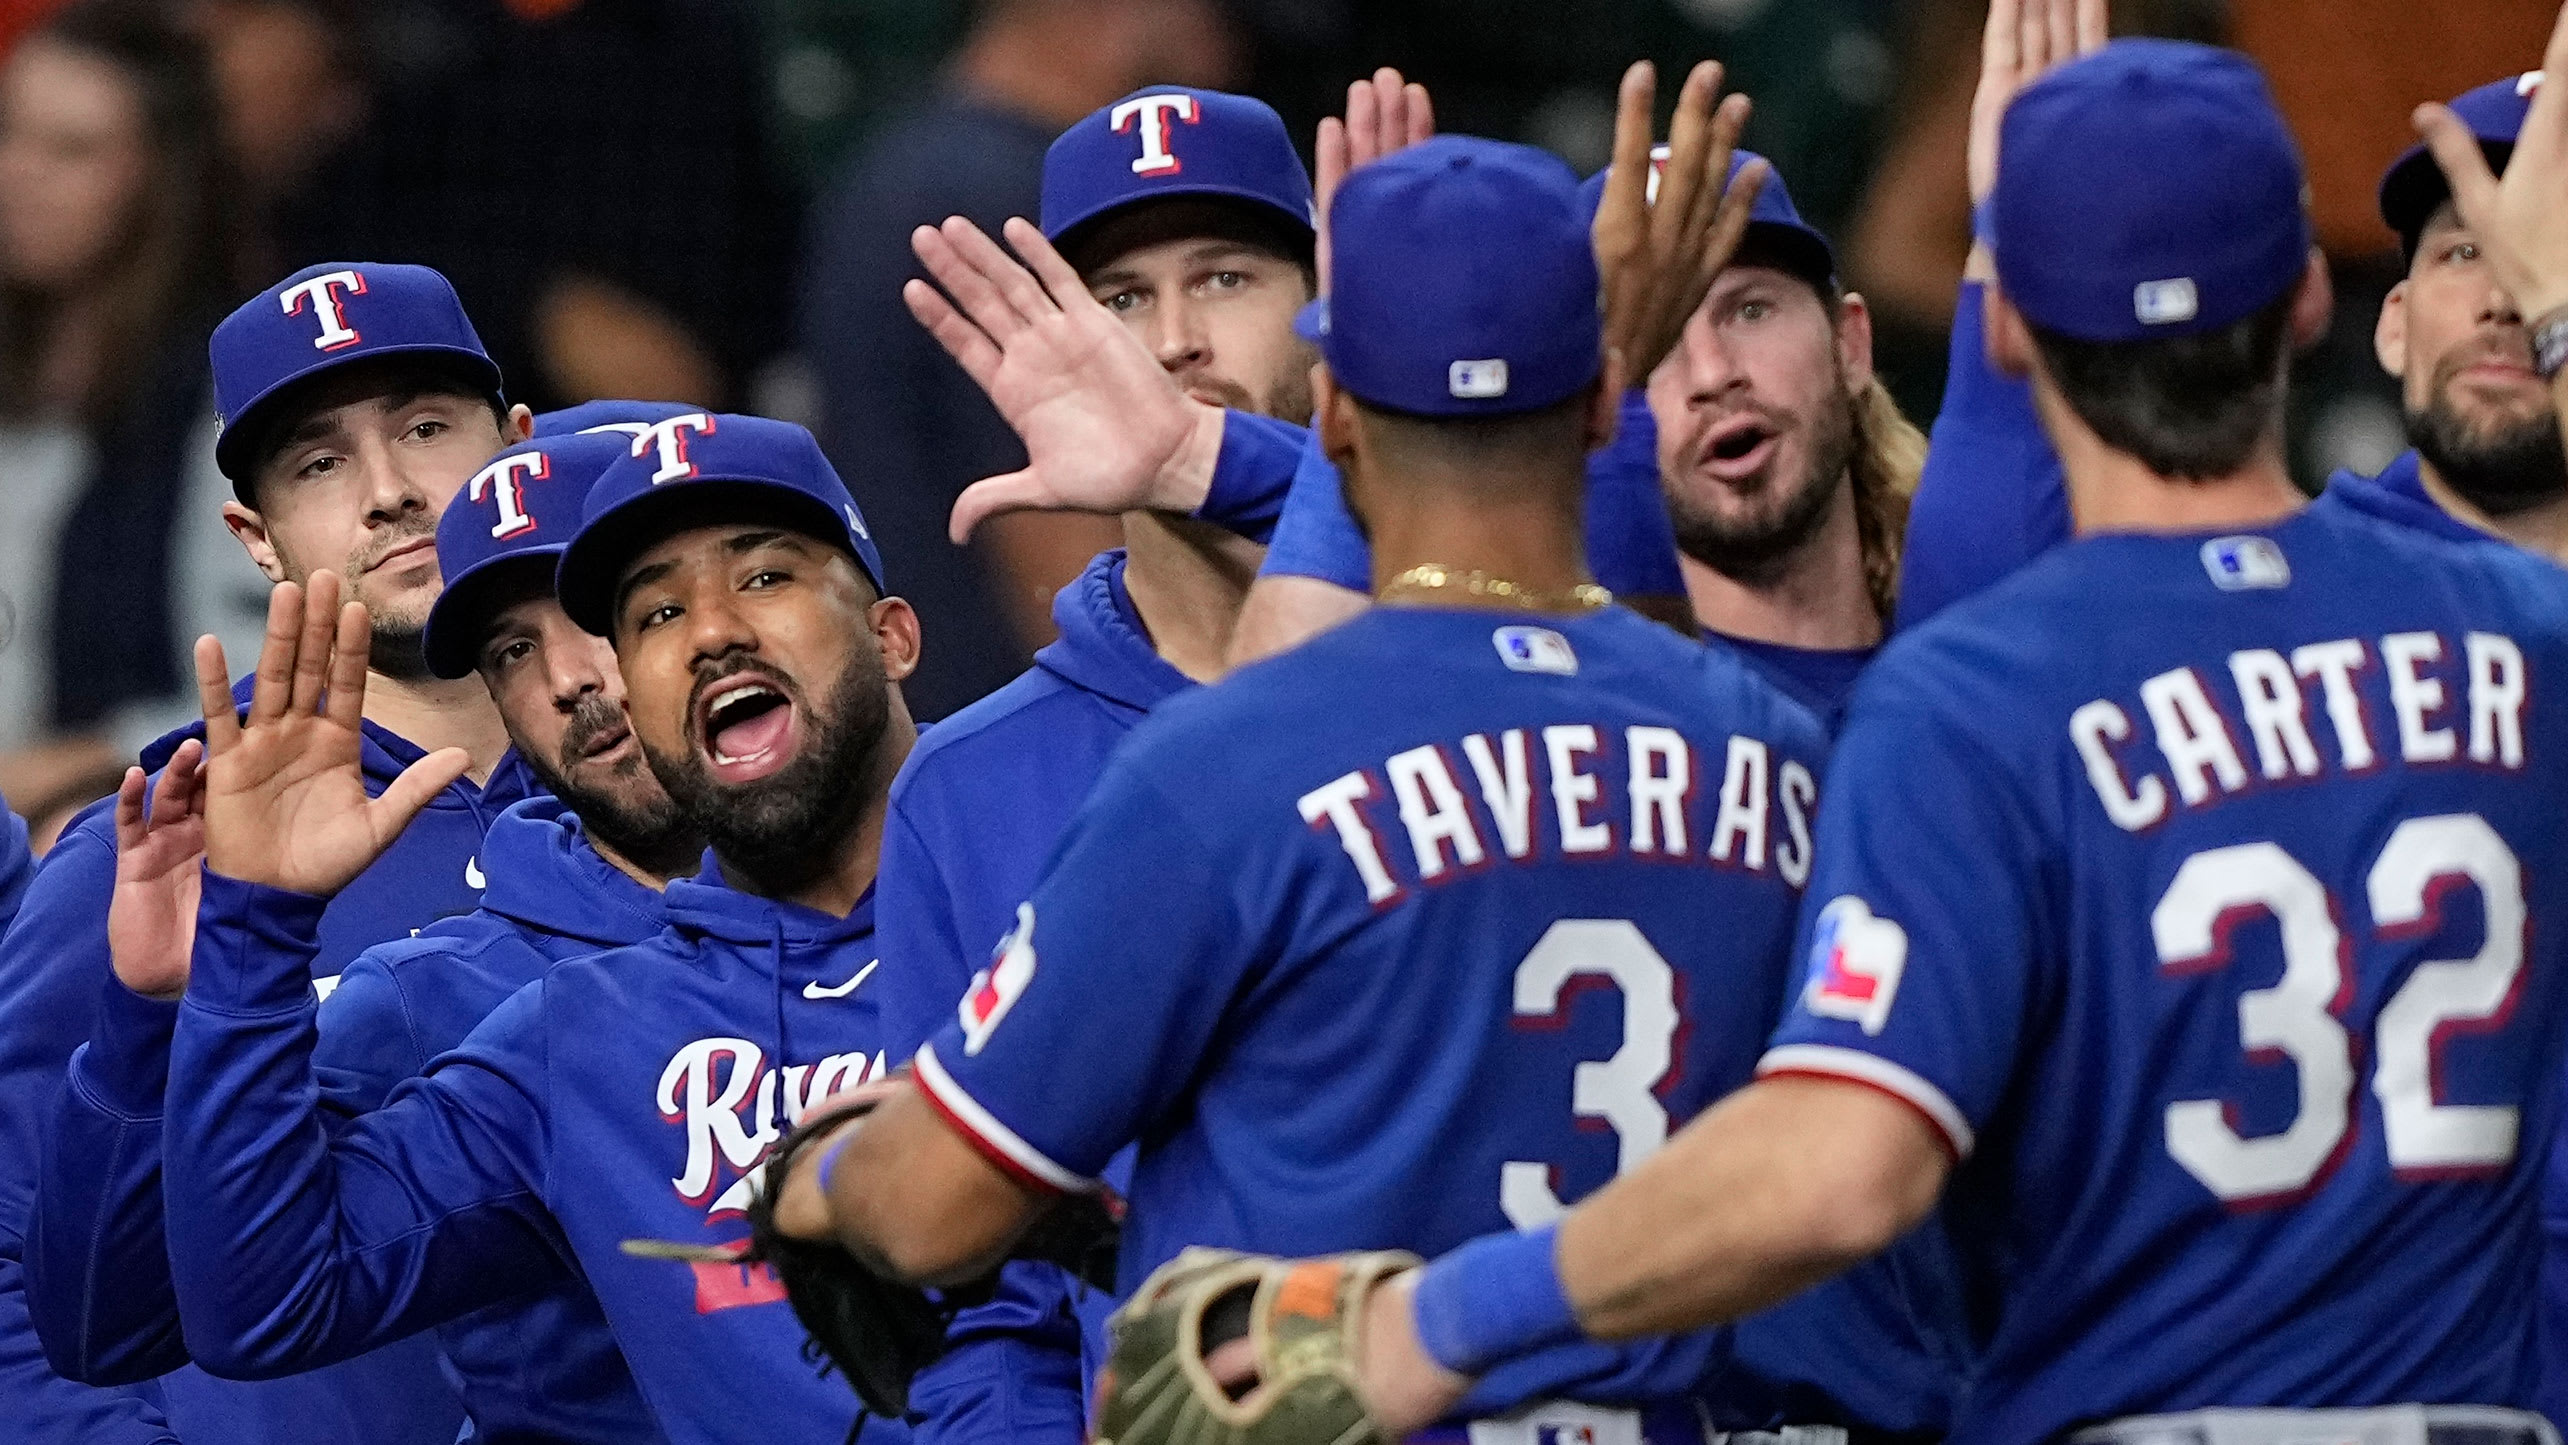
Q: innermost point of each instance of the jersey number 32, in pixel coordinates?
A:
(2297, 1017)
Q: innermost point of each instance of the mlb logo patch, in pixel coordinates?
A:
(996, 988)
(1565, 1435)
(1535, 649)
(1477, 380)
(1856, 961)
(2245, 564)
(2164, 303)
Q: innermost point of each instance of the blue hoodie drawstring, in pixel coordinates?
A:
(776, 968)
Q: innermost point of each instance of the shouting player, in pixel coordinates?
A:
(356, 399)
(2177, 903)
(1349, 997)
(626, 1094)
(567, 874)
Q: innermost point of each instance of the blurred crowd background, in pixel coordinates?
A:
(709, 200)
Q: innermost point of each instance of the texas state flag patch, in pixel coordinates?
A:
(1855, 963)
(996, 988)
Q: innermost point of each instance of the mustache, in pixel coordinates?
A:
(398, 535)
(2511, 345)
(592, 717)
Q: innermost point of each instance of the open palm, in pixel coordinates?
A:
(285, 794)
(160, 845)
(1102, 422)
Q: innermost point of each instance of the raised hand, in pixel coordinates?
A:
(160, 841)
(2024, 39)
(1658, 253)
(1105, 428)
(1384, 113)
(285, 793)
(2521, 220)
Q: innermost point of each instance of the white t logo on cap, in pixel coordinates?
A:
(1477, 380)
(670, 437)
(1154, 110)
(506, 478)
(2163, 303)
(323, 294)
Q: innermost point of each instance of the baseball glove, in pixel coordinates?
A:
(878, 1332)
(1300, 1320)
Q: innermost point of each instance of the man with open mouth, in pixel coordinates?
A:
(629, 1094)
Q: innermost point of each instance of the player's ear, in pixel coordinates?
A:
(521, 425)
(2389, 334)
(1605, 402)
(250, 530)
(1333, 412)
(2009, 339)
(1855, 341)
(896, 634)
(2313, 304)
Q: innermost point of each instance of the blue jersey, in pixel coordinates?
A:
(53, 964)
(2186, 886)
(1502, 901)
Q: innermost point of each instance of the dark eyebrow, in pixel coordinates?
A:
(642, 577)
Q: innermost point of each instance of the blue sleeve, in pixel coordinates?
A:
(1134, 936)
(98, 1283)
(2552, 1326)
(1253, 474)
(927, 962)
(1647, 1369)
(17, 865)
(1991, 498)
(1631, 544)
(1011, 1373)
(1316, 536)
(293, 1249)
(1919, 923)
(367, 1045)
(51, 962)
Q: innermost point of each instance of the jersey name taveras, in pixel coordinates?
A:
(2207, 898)
(1424, 930)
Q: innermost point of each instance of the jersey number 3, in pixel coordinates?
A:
(1620, 1091)
(2297, 1017)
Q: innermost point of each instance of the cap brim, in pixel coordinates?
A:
(2413, 188)
(452, 639)
(232, 444)
(595, 561)
(1066, 235)
(1311, 323)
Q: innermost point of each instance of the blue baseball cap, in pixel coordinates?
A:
(511, 520)
(1170, 141)
(694, 470)
(2150, 189)
(2413, 187)
(1464, 283)
(1776, 234)
(628, 417)
(324, 317)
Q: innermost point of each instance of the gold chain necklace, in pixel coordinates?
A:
(1435, 576)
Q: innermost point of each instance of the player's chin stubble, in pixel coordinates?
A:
(1759, 547)
(2502, 464)
(624, 807)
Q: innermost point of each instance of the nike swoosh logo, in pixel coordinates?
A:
(816, 989)
(473, 878)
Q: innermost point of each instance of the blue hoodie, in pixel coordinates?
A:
(627, 1094)
(543, 1367)
(53, 966)
(1027, 755)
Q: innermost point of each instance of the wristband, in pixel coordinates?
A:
(2550, 343)
(829, 1153)
(1492, 1300)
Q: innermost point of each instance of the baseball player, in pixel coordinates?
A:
(2183, 940)
(627, 1094)
(356, 399)
(1784, 463)
(567, 874)
(1424, 969)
